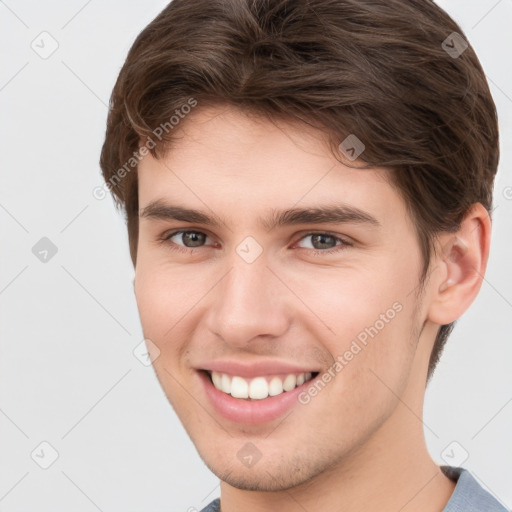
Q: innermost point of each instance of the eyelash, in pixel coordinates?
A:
(316, 252)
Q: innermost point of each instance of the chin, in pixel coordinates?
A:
(264, 480)
(264, 476)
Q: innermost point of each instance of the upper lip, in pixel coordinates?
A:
(250, 369)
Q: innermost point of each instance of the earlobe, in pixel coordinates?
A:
(462, 262)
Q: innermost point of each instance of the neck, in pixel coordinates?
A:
(405, 479)
(392, 471)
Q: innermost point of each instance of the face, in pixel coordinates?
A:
(277, 287)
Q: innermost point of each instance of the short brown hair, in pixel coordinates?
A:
(378, 69)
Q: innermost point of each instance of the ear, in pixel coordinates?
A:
(462, 260)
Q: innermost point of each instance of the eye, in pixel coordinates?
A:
(319, 243)
(324, 242)
(188, 239)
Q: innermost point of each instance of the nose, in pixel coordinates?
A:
(248, 303)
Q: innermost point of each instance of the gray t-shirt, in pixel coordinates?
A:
(468, 495)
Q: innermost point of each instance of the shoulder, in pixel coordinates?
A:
(469, 495)
(214, 506)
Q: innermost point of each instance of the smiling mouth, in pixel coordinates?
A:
(258, 388)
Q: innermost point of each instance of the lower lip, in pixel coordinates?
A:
(251, 412)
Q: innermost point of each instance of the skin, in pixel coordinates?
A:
(359, 444)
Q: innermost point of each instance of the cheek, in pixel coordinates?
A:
(167, 302)
(165, 291)
(166, 298)
(363, 318)
(363, 313)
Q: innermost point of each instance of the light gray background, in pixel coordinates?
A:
(69, 326)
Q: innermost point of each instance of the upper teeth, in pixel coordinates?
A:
(258, 387)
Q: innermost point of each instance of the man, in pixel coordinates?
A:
(308, 188)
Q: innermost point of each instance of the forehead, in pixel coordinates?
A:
(223, 159)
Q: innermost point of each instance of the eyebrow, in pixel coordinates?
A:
(330, 214)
